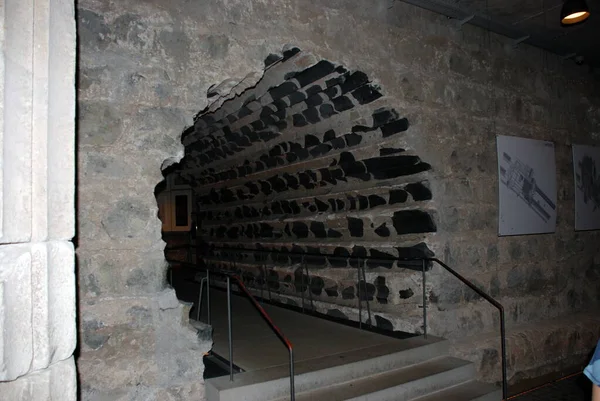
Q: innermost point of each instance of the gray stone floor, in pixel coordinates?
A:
(575, 388)
(256, 347)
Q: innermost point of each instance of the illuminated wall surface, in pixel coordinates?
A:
(379, 136)
(313, 163)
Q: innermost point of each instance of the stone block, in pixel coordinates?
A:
(93, 30)
(16, 135)
(59, 139)
(16, 340)
(141, 392)
(121, 273)
(150, 334)
(57, 383)
(168, 299)
(105, 165)
(126, 218)
(462, 320)
(53, 304)
(37, 312)
(533, 349)
(156, 129)
(37, 139)
(100, 124)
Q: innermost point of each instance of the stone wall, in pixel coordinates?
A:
(302, 177)
(145, 69)
(135, 339)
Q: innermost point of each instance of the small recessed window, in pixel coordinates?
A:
(181, 211)
(175, 205)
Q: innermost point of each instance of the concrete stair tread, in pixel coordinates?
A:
(380, 386)
(468, 391)
(273, 382)
(327, 361)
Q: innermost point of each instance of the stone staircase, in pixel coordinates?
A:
(414, 369)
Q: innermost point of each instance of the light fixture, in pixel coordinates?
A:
(573, 12)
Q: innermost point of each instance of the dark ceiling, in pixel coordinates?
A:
(536, 22)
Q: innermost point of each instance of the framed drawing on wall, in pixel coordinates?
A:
(586, 161)
(527, 186)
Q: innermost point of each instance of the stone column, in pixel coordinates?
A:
(37, 216)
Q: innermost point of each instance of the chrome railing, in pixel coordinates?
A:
(418, 264)
(496, 304)
(240, 284)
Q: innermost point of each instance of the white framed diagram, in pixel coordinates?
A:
(586, 160)
(527, 186)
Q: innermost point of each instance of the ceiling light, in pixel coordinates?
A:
(574, 12)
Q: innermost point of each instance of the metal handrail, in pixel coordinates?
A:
(423, 269)
(260, 309)
(500, 308)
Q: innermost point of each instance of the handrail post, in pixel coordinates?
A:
(276, 329)
(292, 387)
(424, 299)
(503, 347)
(265, 315)
(229, 328)
(312, 306)
(498, 306)
(302, 282)
(262, 282)
(267, 283)
(197, 254)
(358, 293)
(364, 266)
(266, 276)
(424, 261)
(199, 306)
(208, 296)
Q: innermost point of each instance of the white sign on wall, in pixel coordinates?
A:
(527, 186)
(586, 161)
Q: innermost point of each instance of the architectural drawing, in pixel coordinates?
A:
(527, 186)
(520, 178)
(587, 187)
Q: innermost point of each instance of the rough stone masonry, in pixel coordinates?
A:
(310, 170)
(145, 69)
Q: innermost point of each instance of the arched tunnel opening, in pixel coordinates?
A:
(306, 186)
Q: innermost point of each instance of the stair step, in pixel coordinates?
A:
(273, 383)
(469, 391)
(399, 384)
